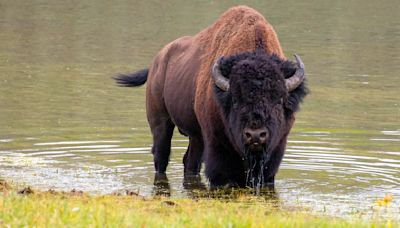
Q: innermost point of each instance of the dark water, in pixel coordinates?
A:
(64, 124)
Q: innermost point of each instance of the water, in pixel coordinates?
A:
(64, 124)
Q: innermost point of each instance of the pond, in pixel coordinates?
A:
(64, 124)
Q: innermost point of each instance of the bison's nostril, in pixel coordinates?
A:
(263, 137)
(248, 135)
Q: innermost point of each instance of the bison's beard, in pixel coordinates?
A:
(255, 163)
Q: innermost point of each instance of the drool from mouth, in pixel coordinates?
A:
(255, 165)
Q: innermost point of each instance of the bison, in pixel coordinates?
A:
(231, 90)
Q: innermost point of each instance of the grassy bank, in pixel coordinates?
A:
(76, 209)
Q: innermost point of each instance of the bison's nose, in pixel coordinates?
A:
(255, 136)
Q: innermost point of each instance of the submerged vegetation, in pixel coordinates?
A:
(77, 209)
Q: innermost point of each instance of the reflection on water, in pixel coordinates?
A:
(64, 124)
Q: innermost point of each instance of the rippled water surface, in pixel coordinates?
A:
(64, 124)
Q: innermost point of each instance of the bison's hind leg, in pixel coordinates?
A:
(162, 130)
(193, 156)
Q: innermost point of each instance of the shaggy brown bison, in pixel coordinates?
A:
(229, 89)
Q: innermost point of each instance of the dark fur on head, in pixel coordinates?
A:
(285, 68)
(258, 96)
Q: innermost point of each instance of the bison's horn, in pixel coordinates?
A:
(298, 77)
(219, 79)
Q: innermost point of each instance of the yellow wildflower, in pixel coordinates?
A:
(380, 203)
(385, 201)
(388, 198)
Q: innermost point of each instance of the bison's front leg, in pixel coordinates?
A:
(224, 168)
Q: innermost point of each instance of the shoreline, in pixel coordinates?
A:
(31, 207)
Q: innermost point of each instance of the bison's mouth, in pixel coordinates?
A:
(255, 165)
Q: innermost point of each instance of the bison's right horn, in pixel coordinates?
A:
(298, 77)
(219, 80)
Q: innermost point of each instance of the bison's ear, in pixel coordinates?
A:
(288, 68)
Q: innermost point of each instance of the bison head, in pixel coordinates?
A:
(258, 94)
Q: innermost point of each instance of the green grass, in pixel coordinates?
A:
(28, 208)
(51, 209)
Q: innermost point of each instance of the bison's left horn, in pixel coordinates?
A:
(219, 79)
(298, 77)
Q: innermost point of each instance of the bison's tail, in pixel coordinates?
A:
(133, 79)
